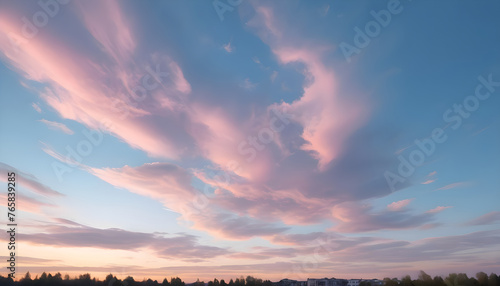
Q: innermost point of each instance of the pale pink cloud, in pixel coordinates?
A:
(174, 246)
(165, 182)
(30, 204)
(81, 88)
(29, 181)
(110, 27)
(354, 217)
(399, 151)
(430, 178)
(328, 120)
(248, 84)
(171, 185)
(396, 206)
(36, 107)
(453, 186)
(39, 195)
(278, 183)
(489, 218)
(57, 126)
(438, 209)
(181, 84)
(228, 47)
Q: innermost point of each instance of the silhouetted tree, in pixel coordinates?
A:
(47, 279)
(27, 281)
(150, 282)
(6, 280)
(438, 281)
(250, 281)
(266, 283)
(406, 281)
(493, 280)
(482, 279)
(199, 283)
(463, 280)
(364, 283)
(176, 281)
(128, 281)
(389, 282)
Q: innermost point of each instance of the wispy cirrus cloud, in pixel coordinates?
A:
(228, 47)
(396, 206)
(169, 122)
(57, 126)
(486, 219)
(36, 107)
(31, 204)
(29, 181)
(353, 217)
(438, 209)
(453, 186)
(324, 132)
(178, 246)
(430, 178)
(171, 185)
(304, 174)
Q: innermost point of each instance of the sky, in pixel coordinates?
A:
(298, 139)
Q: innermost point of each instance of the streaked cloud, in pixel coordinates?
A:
(486, 219)
(430, 178)
(453, 186)
(57, 126)
(354, 217)
(29, 181)
(396, 206)
(228, 48)
(36, 107)
(178, 246)
(438, 209)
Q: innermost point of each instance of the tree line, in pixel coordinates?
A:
(110, 280)
(453, 279)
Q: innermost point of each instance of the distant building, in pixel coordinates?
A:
(326, 282)
(354, 282)
(289, 282)
(375, 282)
(365, 282)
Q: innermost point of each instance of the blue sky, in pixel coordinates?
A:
(222, 139)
